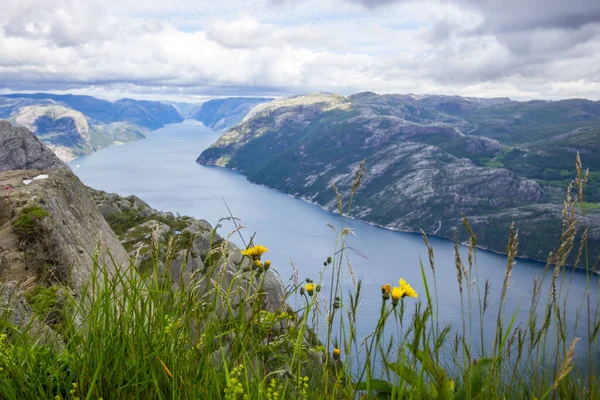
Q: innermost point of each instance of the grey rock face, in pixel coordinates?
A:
(72, 231)
(21, 149)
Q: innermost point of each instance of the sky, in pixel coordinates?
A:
(191, 50)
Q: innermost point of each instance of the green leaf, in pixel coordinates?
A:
(406, 373)
(475, 379)
(378, 385)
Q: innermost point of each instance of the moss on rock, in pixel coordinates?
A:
(27, 226)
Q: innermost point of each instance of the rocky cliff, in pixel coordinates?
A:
(51, 229)
(19, 149)
(429, 160)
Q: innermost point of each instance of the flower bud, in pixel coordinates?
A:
(385, 291)
(336, 353)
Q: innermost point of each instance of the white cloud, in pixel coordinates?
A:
(190, 48)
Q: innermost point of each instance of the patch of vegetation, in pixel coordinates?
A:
(136, 236)
(490, 162)
(589, 206)
(27, 226)
(122, 221)
(46, 306)
(177, 224)
(183, 241)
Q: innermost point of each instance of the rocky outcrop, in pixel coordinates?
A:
(187, 248)
(429, 161)
(51, 230)
(20, 149)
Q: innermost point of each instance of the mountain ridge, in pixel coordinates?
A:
(74, 125)
(429, 162)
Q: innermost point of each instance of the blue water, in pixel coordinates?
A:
(162, 170)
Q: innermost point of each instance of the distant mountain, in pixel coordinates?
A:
(224, 113)
(429, 158)
(148, 114)
(73, 125)
(186, 110)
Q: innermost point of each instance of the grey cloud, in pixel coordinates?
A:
(516, 15)
(524, 38)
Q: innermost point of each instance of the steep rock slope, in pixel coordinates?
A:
(76, 125)
(425, 166)
(50, 229)
(49, 224)
(222, 114)
(20, 149)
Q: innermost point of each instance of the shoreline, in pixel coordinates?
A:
(464, 244)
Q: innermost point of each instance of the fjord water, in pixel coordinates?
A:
(162, 171)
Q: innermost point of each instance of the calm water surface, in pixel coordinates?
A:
(162, 171)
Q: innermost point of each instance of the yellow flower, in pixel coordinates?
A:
(267, 264)
(255, 252)
(397, 294)
(257, 264)
(310, 288)
(407, 290)
(336, 353)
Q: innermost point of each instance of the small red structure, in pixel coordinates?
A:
(6, 188)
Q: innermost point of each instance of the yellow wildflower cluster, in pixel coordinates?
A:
(303, 387)
(398, 292)
(258, 265)
(234, 387)
(274, 389)
(172, 324)
(73, 392)
(4, 358)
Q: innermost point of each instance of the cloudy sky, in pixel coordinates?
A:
(193, 49)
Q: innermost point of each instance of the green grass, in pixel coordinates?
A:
(589, 206)
(139, 336)
(493, 164)
(27, 226)
(46, 306)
